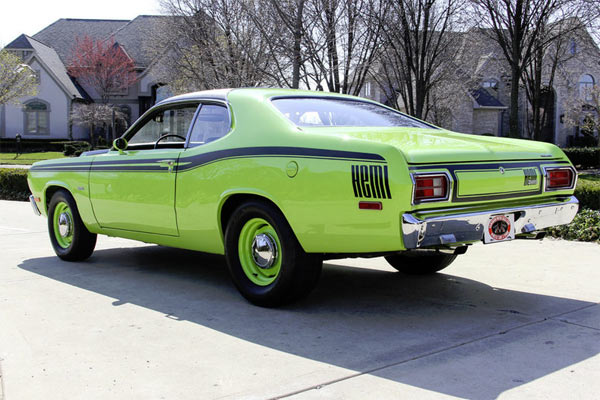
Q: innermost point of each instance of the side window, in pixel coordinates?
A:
(212, 123)
(171, 121)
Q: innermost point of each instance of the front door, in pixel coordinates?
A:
(134, 189)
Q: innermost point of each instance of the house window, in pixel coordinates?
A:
(368, 89)
(490, 84)
(586, 83)
(36, 117)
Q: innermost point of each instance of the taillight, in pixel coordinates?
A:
(559, 178)
(430, 188)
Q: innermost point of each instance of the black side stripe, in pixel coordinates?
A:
(207, 158)
(187, 163)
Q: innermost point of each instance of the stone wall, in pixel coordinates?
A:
(485, 121)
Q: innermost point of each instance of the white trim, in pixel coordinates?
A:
(2, 120)
(490, 107)
(49, 72)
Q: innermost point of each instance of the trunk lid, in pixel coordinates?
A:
(424, 146)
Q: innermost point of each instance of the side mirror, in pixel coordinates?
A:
(120, 144)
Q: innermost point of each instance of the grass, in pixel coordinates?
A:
(28, 158)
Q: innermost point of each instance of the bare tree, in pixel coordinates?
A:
(538, 82)
(210, 44)
(419, 48)
(96, 115)
(557, 44)
(282, 26)
(343, 39)
(583, 112)
(522, 29)
(17, 80)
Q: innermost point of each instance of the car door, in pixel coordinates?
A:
(134, 189)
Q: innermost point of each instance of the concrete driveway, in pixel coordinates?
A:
(137, 321)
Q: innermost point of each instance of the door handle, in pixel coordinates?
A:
(167, 163)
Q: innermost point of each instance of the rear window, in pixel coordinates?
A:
(311, 111)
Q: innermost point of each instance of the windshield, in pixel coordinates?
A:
(311, 111)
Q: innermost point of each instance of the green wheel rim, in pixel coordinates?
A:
(65, 238)
(261, 276)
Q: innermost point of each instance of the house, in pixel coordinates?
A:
(475, 98)
(47, 115)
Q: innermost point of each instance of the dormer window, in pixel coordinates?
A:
(490, 84)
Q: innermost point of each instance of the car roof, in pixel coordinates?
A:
(265, 93)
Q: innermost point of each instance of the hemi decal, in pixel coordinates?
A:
(371, 181)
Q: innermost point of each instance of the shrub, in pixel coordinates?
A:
(588, 191)
(13, 184)
(30, 145)
(582, 141)
(584, 157)
(75, 148)
(585, 227)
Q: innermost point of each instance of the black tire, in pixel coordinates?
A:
(420, 263)
(298, 271)
(81, 243)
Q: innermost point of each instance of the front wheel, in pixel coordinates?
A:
(69, 237)
(420, 263)
(266, 262)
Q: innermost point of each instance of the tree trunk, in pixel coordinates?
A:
(334, 74)
(297, 49)
(92, 135)
(514, 103)
(536, 102)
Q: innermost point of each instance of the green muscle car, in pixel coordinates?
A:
(279, 180)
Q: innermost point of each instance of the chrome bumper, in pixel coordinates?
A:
(468, 227)
(36, 210)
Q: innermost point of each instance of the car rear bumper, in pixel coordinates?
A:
(421, 231)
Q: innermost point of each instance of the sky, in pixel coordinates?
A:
(31, 16)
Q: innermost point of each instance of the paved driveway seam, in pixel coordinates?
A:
(435, 352)
(576, 324)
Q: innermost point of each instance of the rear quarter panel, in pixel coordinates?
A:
(319, 201)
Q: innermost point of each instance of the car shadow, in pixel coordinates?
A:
(357, 318)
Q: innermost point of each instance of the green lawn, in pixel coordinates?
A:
(28, 158)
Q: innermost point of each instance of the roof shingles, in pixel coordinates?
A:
(61, 35)
(54, 44)
(485, 99)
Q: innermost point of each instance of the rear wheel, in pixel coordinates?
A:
(267, 264)
(69, 237)
(420, 263)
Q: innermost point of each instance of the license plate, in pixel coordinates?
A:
(500, 228)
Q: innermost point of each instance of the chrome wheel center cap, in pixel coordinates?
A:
(264, 250)
(64, 224)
